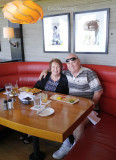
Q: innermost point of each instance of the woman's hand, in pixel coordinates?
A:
(43, 74)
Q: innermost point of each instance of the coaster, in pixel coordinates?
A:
(46, 102)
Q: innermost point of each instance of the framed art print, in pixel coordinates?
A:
(56, 33)
(91, 31)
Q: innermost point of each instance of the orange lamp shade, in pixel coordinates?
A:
(23, 12)
(8, 32)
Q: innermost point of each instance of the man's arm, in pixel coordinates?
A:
(43, 74)
(97, 96)
(95, 85)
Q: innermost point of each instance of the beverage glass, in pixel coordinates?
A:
(37, 100)
(44, 97)
(8, 88)
(15, 88)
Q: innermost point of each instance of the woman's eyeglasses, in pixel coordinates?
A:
(71, 59)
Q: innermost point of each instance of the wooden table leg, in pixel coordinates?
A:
(37, 154)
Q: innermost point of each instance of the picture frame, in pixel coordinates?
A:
(56, 33)
(91, 31)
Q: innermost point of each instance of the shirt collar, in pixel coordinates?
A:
(81, 70)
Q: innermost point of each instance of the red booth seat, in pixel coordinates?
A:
(99, 142)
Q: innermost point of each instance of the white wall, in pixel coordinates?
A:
(33, 37)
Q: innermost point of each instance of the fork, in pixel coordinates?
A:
(43, 109)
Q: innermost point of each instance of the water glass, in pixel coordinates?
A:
(8, 88)
(37, 100)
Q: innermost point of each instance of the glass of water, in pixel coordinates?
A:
(8, 88)
(37, 100)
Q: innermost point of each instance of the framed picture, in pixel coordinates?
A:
(91, 31)
(56, 33)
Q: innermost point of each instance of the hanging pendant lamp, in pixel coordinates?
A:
(22, 12)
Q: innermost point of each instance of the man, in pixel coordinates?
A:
(82, 82)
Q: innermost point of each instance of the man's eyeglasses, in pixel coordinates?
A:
(71, 59)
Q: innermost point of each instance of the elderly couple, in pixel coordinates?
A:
(77, 81)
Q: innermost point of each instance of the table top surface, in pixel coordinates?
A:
(56, 127)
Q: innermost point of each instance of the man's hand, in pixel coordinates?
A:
(97, 96)
(43, 74)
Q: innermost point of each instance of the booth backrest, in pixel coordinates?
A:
(107, 76)
(27, 74)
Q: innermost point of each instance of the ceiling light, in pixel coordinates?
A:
(22, 12)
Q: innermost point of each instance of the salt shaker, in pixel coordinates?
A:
(5, 105)
(9, 104)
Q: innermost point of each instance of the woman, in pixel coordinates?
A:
(55, 81)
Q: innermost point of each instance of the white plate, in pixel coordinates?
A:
(46, 112)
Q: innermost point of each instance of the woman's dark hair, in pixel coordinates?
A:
(57, 61)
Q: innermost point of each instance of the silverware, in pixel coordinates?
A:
(43, 109)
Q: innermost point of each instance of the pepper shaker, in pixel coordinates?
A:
(5, 105)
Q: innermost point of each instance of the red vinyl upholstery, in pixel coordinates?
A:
(26, 73)
(98, 142)
(107, 76)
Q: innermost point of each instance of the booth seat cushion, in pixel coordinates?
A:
(98, 142)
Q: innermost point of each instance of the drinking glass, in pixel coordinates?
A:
(37, 100)
(15, 88)
(8, 88)
(44, 97)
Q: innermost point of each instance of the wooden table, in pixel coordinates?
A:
(56, 127)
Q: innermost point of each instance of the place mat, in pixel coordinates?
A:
(37, 107)
(6, 93)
